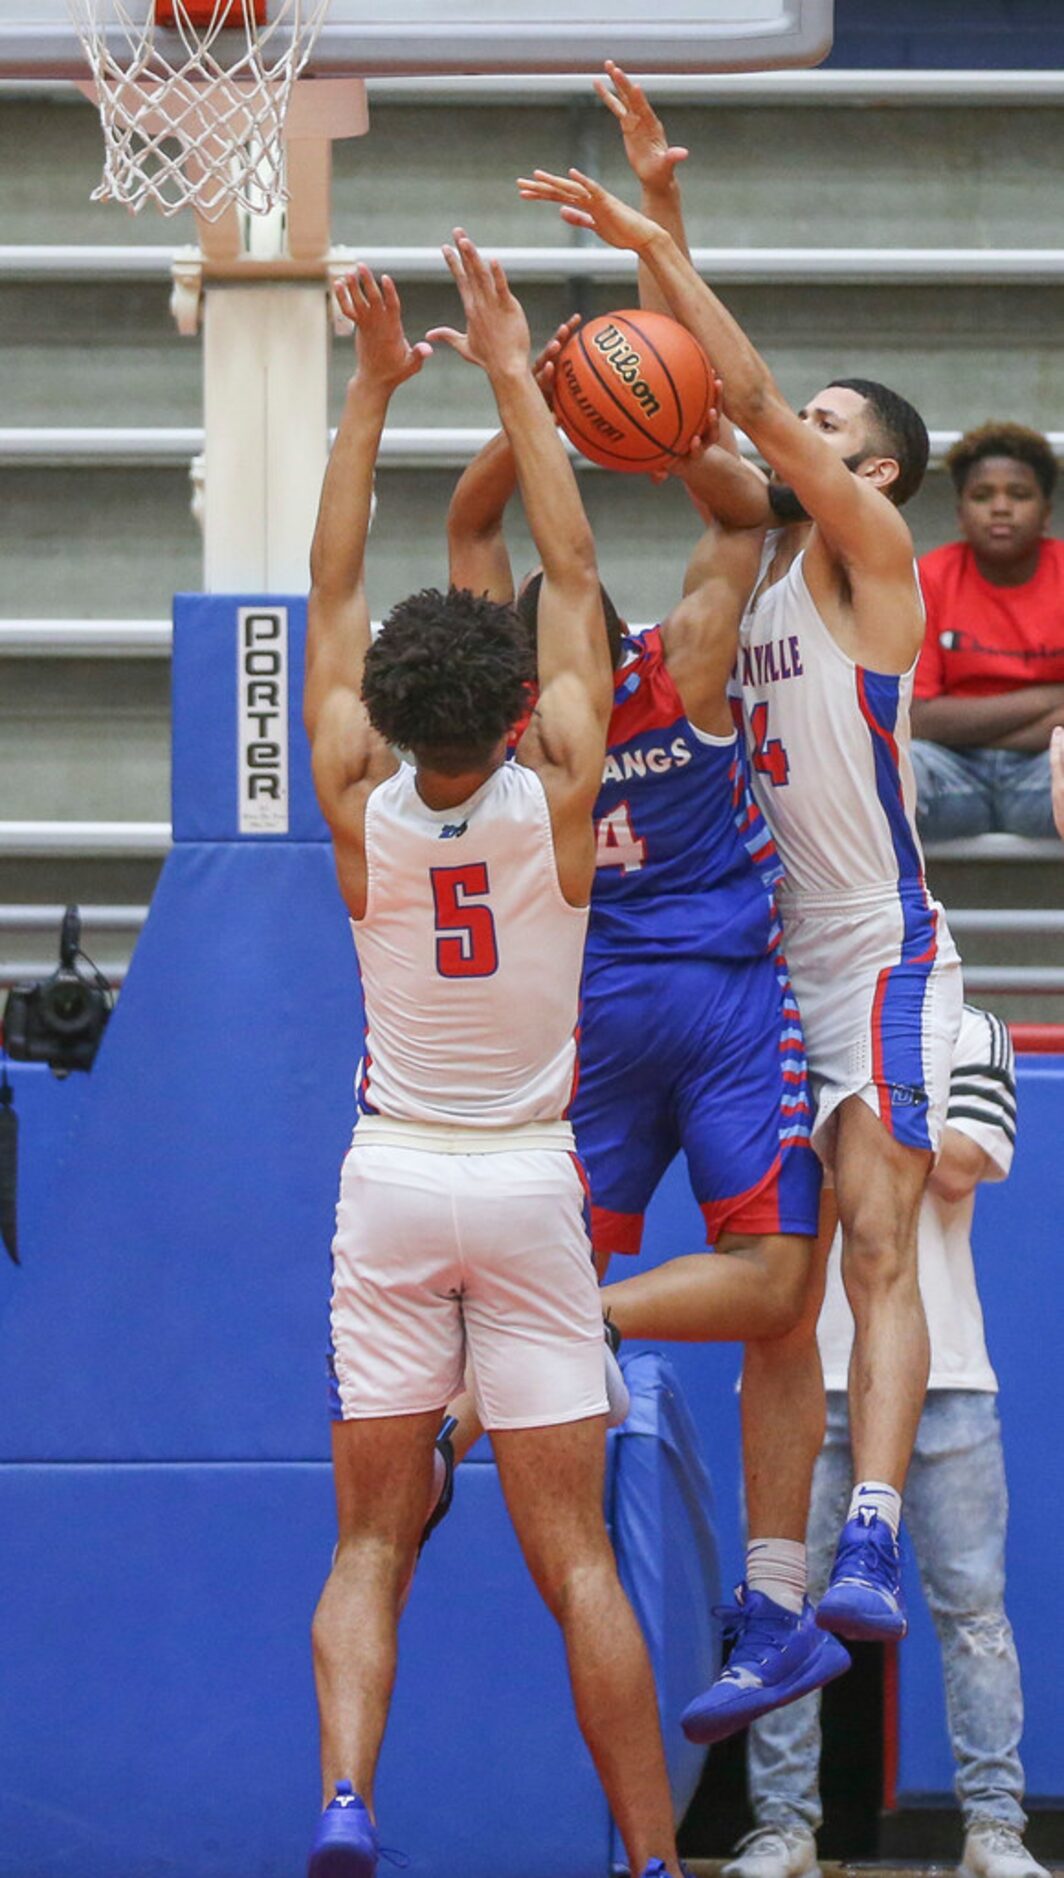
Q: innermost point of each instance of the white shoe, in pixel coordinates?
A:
(994, 1850)
(775, 1852)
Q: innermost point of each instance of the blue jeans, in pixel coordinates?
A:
(980, 792)
(956, 1508)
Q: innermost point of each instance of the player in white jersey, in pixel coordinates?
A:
(831, 641)
(461, 1220)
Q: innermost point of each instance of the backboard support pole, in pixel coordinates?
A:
(265, 385)
(262, 287)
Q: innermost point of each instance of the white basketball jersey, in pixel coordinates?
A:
(470, 957)
(828, 745)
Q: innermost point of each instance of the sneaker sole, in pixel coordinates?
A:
(825, 1664)
(737, 1870)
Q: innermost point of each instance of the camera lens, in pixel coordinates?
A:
(65, 1004)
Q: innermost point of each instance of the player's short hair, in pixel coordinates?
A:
(528, 614)
(447, 676)
(901, 433)
(1011, 440)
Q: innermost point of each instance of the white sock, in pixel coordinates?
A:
(776, 1568)
(881, 1498)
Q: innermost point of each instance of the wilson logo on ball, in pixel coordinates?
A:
(632, 390)
(620, 357)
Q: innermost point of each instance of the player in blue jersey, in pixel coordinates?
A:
(690, 1034)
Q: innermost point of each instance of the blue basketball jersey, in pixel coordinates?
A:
(685, 863)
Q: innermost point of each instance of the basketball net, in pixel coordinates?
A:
(193, 116)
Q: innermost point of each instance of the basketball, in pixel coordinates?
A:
(632, 389)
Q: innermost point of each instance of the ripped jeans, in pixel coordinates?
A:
(955, 1509)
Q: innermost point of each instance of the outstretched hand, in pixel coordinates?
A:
(585, 204)
(496, 335)
(383, 351)
(646, 146)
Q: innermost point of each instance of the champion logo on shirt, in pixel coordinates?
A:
(451, 830)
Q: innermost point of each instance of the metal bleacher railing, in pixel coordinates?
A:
(440, 446)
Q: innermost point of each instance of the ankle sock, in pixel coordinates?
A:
(881, 1499)
(776, 1568)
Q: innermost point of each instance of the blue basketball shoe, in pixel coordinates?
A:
(345, 1843)
(657, 1869)
(777, 1657)
(863, 1600)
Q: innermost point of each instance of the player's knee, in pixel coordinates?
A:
(875, 1258)
(568, 1583)
(785, 1267)
(788, 1296)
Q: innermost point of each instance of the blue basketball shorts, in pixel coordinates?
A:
(701, 1055)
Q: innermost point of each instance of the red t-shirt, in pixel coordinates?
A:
(983, 639)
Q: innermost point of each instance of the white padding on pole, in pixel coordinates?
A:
(265, 360)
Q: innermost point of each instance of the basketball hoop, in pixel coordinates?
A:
(193, 97)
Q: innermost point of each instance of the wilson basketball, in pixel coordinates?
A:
(632, 389)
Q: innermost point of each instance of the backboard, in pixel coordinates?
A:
(411, 37)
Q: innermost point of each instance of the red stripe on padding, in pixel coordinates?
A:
(1041, 1037)
(615, 1232)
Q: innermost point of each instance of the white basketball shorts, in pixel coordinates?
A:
(442, 1256)
(878, 983)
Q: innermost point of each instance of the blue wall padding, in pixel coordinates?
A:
(159, 1713)
(666, 1546)
(47, 1109)
(167, 1509)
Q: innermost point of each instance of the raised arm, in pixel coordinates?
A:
(864, 530)
(701, 634)
(345, 751)
(568, 738)
(476, 547)
(654, 161)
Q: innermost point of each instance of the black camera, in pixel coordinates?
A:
(60, 1020)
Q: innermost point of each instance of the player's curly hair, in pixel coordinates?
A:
(447, 677)
(1011, 440)
(901, 433)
